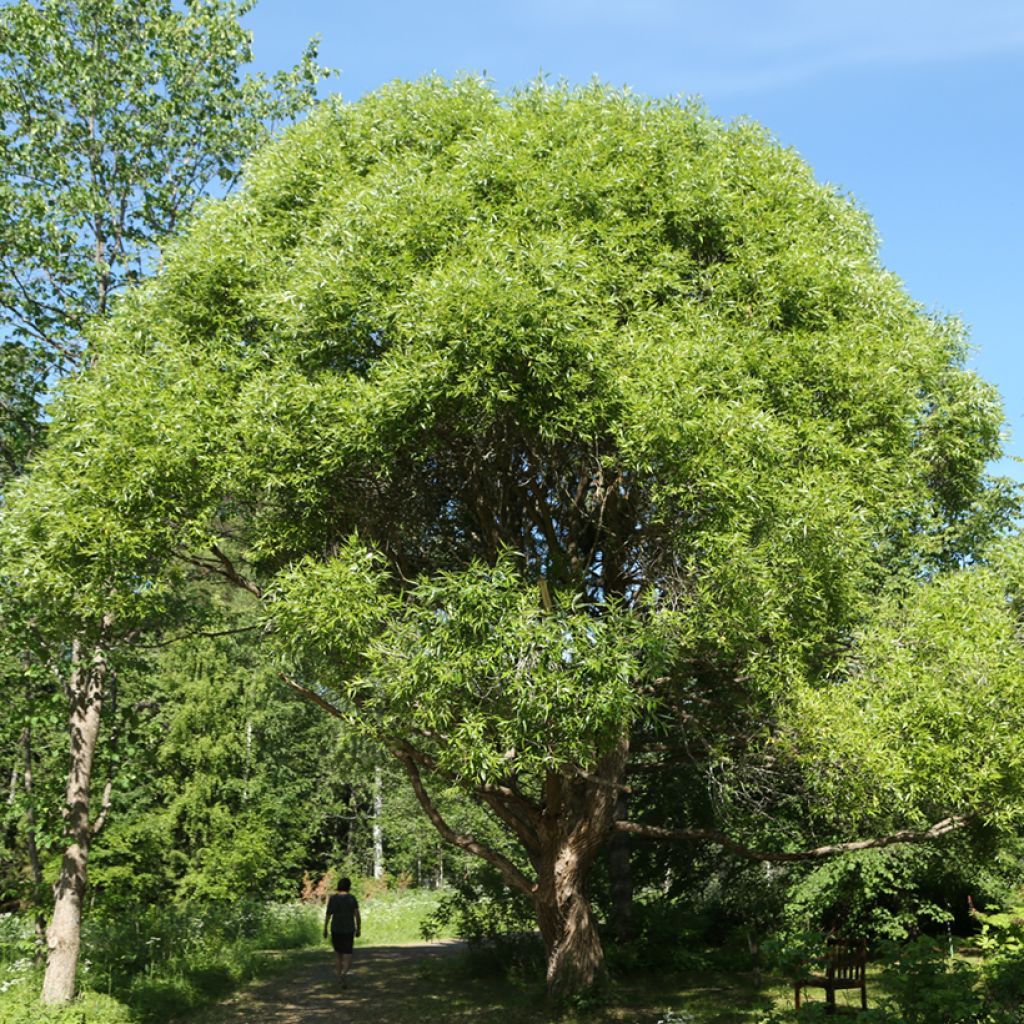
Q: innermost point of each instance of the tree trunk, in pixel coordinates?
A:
(575, 958)
(35, 865)
(562, 836)
(578, 818)
(378, 832)
(86, 689)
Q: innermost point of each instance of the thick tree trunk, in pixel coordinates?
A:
(562, 836)
(86, 689)
(578, 818)
(575, 958)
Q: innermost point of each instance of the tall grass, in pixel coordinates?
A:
(159, 961)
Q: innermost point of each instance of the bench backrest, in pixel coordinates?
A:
(846, 959)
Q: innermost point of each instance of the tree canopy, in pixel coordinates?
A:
(115, 120)
(549, 431)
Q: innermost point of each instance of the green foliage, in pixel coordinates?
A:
(474, 658)
(498, 923)
(117, 118)
(163, 960)
(1002, 945)
(890, 893)
(930, 988)
(21, 1006)
(924, 715)
(432, 318)
(673, 938)
(240, 777)
(540, 421)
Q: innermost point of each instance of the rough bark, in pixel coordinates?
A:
(578, 817)
(86, 690)
(562, 838)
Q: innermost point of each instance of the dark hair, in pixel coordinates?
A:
(344, 884)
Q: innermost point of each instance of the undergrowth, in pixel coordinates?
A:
(155, 963)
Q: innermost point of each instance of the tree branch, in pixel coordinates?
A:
(313, 697)
(101, 818)
(940, 828)
(200, 633)
(514, 809)
(512, 875)
(234, 575)
(223, 566)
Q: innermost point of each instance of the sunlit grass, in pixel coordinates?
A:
(396, 918)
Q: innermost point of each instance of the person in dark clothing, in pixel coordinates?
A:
(343, 918)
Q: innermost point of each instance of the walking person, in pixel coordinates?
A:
(343, 918)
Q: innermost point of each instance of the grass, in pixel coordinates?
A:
(160, 963)
(395, 918)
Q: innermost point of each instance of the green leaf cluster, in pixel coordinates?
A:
(116, 119)
(526, 409)
(926, 714)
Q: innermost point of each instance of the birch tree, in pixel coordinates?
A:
(116, 119)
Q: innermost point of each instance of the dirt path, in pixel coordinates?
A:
(413, 984)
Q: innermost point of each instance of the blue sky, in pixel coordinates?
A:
(915, 107)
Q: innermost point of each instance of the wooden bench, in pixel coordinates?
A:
(845, 968)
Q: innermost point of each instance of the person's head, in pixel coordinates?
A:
(344, 884)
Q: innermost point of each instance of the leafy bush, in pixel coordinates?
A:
(164, 961)
(669, 937)
(1002, 944)
(881, 894)
(17, 942)
(927, 986)
(922, 983)
(498, 923)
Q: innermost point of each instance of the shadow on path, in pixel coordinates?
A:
(388, 985)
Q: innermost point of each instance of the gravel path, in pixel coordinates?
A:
(388, 985)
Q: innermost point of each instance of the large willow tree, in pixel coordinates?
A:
(547, 432)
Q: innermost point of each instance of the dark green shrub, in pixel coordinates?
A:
(927, 986)
(498, 923)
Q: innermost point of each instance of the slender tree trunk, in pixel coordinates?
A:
(35, 864)
(86, 690)
(378, 832)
